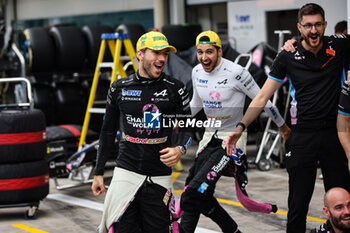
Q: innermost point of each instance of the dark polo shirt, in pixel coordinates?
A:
(315, 80)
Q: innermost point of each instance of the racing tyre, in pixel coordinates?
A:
(182, 37)
(134, 31)
(39, 49)
(24, 182)
(70, 48)
(92, 35)
(22, 136)
(70, 104)
(44, 100)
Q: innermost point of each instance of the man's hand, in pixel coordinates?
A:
(288, 46)
(232, 140)
(285, 131)
(170, 156)
(98, 186)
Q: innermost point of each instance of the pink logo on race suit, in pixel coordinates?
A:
(214, 95)
(211, 175)
(150, 108)
(140, 128)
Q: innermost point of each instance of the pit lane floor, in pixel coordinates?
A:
(77, 210)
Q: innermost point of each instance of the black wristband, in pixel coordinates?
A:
(241, 124)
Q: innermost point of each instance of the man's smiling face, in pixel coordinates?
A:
(209, 56)
(152, 62)
(312, 28)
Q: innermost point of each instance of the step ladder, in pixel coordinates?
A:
(114, 42)
(270, 134)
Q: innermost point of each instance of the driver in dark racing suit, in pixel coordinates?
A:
(145, 104)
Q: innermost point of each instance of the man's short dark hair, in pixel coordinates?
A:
(310, 9)
(205, 38)
(341, 26)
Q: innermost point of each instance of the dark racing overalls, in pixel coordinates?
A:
(211, 163)
(139, 107)
(198, 197)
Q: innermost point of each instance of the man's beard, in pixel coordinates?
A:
(147, 67)
(338, 224)
(307, 39)
(213, 63)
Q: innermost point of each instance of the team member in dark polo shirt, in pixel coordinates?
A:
(314, 71)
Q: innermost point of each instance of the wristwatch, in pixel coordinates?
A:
(182, 149)
(242, 125)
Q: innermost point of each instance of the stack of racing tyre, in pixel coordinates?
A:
(24, 175)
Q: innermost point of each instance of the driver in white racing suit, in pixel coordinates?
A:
(220, 88)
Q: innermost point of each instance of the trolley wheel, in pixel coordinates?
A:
(31, 213)
(264, 165)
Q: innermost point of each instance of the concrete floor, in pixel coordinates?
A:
(77, 210)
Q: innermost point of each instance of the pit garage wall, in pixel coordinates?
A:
(112, 19)
(34, 9)
(247, 22)
(30, 13)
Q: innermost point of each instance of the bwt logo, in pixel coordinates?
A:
(151, 119)
(202, 81)
(243, 18)
(131, 92)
